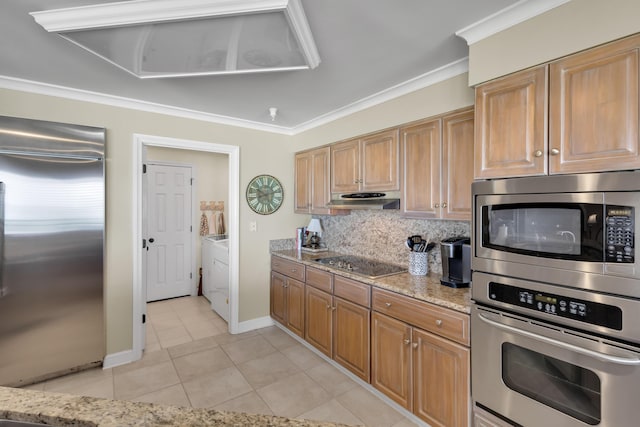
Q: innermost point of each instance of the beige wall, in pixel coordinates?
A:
(260, 152)
(439, 98)
(574, 26)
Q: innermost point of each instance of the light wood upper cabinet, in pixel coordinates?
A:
(511, 125)
(577, 114)
(593, 121)
(437, 158)
(457, 165)
(312, 182)
(366, 164)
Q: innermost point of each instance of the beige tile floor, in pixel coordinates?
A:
(190, 360)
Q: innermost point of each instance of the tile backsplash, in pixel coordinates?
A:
(381, 235)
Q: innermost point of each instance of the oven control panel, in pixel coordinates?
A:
(583, 311)
(620, 230)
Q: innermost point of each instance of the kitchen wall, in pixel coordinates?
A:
(381, 235)
(574, 26)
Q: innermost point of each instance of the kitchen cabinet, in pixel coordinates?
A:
(337, 322)
(287, 294)
(312, 188)
(370, 163)
(437, 157)
(420, 357)
(576, 114)
(511, 125)
(593, 111)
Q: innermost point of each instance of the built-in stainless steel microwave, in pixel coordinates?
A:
(572, 230)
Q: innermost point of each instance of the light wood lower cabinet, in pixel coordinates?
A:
(337, 327)
(287, 299)
(424, 372)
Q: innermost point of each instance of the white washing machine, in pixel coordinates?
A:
(215, 273)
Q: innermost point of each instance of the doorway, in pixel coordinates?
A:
(139, 293)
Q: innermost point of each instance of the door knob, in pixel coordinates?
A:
(151, 240)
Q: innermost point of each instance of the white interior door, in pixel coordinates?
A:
(169, 228)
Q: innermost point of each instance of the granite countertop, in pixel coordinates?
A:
(63, 410)
(425, 288)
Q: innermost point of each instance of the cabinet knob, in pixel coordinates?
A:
(328, 306)
(333, 308)
(388, 304)
(407, 342)
(537, 153)
(438, 322)
(555, 151)
(293, 270)
(286, 286)
(415, 345)
(437, 205)
(444, 205)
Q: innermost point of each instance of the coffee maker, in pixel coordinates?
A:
(456, 262)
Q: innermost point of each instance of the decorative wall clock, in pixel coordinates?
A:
(265, 194)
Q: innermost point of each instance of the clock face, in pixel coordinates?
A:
(264, 194)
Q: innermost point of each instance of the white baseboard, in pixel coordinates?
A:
(121, 358)
(250, 325)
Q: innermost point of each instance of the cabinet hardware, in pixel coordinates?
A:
(388, 304)
(555, 151)
(293, 270)
(537, 153)
(328, 306)
(415, 345)
(439, 322)
(444, 205)
(437, 205)
(334, 308)
(407, 342)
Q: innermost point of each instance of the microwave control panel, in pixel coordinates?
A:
(571, 308)
(620, 232)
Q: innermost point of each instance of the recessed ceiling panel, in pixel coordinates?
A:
(269, 38)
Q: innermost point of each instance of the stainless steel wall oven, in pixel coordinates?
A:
(556, 289)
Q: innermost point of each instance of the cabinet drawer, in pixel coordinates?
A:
(438, 320)
(356, 292)
(322, 280)
(291, 269)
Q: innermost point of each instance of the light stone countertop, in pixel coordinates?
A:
(63, 410)
(425, 288)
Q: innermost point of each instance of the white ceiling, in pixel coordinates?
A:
(369, 49)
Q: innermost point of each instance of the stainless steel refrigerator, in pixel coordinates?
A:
(51, 249)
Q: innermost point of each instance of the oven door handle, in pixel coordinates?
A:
(564, 345)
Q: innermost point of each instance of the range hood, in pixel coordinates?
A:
(365, 201)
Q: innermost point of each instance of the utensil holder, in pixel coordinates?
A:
(418, 263)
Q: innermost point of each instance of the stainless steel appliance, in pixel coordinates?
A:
(51, 240)
(456, 262)
(369, 200)
(555, 337)
(361, 266)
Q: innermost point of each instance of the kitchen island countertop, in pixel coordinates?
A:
(62, 410)
(425, 288)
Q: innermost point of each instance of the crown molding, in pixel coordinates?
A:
(506, 18)
(438, 75)
(133, 104)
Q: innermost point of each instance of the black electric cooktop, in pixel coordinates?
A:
(361, 266)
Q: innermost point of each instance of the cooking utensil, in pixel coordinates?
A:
(412, 241)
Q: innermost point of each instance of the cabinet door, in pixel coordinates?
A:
(302, 185)
(295, 306)
(421, 172)
(511, 125)
(345, 167)
(351, 332)
(391, 358)
(320, 185)
(379, 162)
(593, 121)
(319, 314)
(457, 165)
(278, 298)
(441, 380)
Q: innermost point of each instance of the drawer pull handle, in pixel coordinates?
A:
(438, 322)
(388, 304)
(407, 342)
(293, 270)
